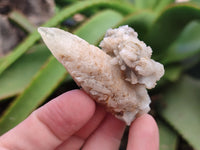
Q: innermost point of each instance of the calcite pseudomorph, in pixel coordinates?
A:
(115, 76)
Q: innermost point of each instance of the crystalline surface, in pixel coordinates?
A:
(117, 76)
(132, 56)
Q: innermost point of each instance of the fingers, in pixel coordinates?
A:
(107, 136)
(77, 140)
(143, 134)
(53, 123)
(93, 123)
(73, 143)
(68, 114)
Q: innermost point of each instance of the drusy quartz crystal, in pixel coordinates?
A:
(116, 76)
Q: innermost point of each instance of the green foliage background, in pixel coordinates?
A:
(29, 75)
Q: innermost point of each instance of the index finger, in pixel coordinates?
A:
(49, 126)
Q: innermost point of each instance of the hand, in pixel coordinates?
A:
(72, 121)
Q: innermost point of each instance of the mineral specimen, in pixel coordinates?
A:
(116, 76)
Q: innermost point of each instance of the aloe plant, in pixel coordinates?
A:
(29, 75)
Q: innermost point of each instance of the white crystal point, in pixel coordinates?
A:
(61, 43)
(100, 75)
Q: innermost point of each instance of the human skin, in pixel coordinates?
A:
(73, 121)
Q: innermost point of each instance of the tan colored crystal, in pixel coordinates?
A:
(116, 76)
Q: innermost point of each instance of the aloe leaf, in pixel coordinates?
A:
(128, 1)
(173, 72)
(168, 137)
(141, 21)
(17, 77)
(109, 17)
(65, 13)
(46, 80)
(155, 5)
(169, 25)
(22, 21)
(186, 45)
(80, 6)
(142, 4)
(181, 109)
(162, 4)
(198, 1)
(18, 51)
(40, 87)
(1, 59)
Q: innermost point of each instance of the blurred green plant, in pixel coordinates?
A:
(30, 74)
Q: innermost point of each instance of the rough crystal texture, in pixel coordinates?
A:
(118, 80)
(132, 56)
